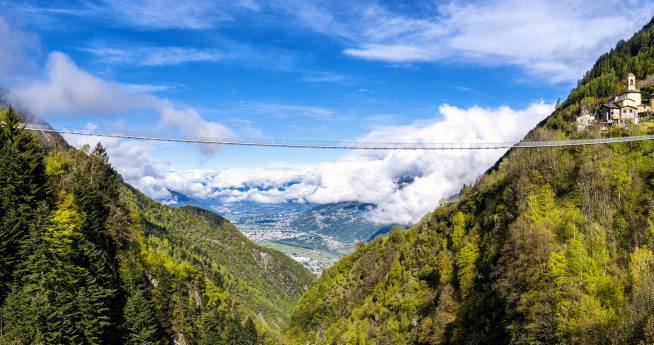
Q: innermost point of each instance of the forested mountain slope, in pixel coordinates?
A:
(262, 279)
(86, 259)
(554, 245)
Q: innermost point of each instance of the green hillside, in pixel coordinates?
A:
(552, 246)
(87, 259)
(261, 279)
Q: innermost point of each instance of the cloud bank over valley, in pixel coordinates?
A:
(404, 185)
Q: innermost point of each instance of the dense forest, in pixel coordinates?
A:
(87, 259)
(552, 245)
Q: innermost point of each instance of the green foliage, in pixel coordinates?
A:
(541, 205)
(23, 189)
(641, 263)
(139, 320)
(250, 335)
(553, 246)
(234, 333)
(211, 329)
(194, 244)
(466, 267)
(67, 223)
(458, 231)
(557, 123)
(556, 267)
(97, 262)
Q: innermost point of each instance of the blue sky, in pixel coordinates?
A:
(333, 70)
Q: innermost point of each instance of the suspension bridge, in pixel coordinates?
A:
(355, 145)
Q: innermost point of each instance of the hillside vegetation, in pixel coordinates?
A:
(553, 245)
(86, 259)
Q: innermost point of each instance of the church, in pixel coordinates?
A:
(625, 107)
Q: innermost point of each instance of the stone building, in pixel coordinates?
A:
(625, 107)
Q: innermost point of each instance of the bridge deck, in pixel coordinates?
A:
(356, 145)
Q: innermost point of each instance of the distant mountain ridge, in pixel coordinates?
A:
(344, 221)
(179, 200)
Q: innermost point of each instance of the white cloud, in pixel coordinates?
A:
(555, 39)
(368, 176)
(69, 91)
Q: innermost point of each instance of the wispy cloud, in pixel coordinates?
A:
(554, 39)
(325, 77)
(157, 56)
(144, 54)
(146, 15)
(169, 14)
(147, 88)
(287, 110)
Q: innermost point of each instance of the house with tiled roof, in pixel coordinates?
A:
(625, 107)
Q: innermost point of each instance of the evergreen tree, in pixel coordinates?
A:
(217, 279)
(27, 145)
(61, 297)
(162, 296)
(250, 335)
(234, 332)
(23, 187)
(139, 320)
(13, 212)
(210, 329)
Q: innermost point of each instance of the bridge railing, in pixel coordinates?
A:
(357, 145)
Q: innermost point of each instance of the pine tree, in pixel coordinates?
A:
(217, 279)
(27, 145)
(139, 320)
(234, 332)
(62, 293)
(23, 187)
(13, 209)
(210, 329)
(162, 296)
(250, 335)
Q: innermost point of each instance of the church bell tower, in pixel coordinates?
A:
(631, 82)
